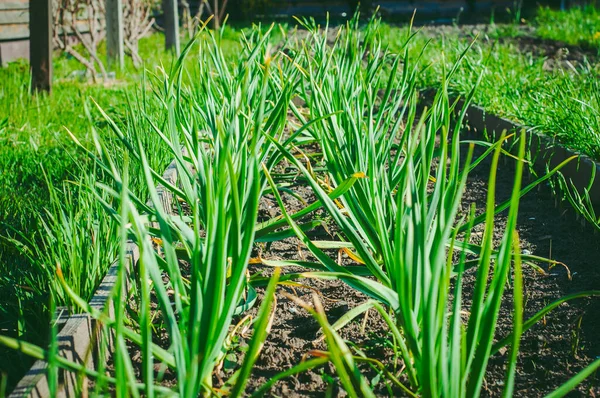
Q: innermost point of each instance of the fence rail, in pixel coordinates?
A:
(14, 19)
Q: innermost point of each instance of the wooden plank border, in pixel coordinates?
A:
(545, 150)
(78, 339)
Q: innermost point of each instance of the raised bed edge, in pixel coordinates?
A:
(78, 335)
(546, 152)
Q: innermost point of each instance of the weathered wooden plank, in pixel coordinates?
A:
(13, 50)
(40, 49)
(14, 32)
(78, 341)
(21, 31)
(14, 5)
(115, 44)
(9, 17)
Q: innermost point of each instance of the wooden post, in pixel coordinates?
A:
(171, 25)
(115, 49)
(216, 22)
(40, 44)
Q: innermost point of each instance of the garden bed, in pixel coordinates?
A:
(182, 330)
(551, 352)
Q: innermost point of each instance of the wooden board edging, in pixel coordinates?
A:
(77, 341)
(545, 151)
(78, 338)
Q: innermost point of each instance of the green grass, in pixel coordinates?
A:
(577, 26)
(527, 88)
(35, 148)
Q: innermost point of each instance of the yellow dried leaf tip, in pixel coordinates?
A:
(59, 272)
(157, 241)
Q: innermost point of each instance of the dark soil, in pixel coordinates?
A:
(557, 54)
(567, 338)
(295, 332)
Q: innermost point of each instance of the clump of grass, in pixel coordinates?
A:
(75, 234)
(569, 107)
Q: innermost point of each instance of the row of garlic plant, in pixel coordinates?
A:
(215, 131)
(402, 220)
(213, 123)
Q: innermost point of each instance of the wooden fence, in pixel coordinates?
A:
(14, 29)
(14, 19)
(14, 14)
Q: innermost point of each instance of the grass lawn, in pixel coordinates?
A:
(522, 76)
